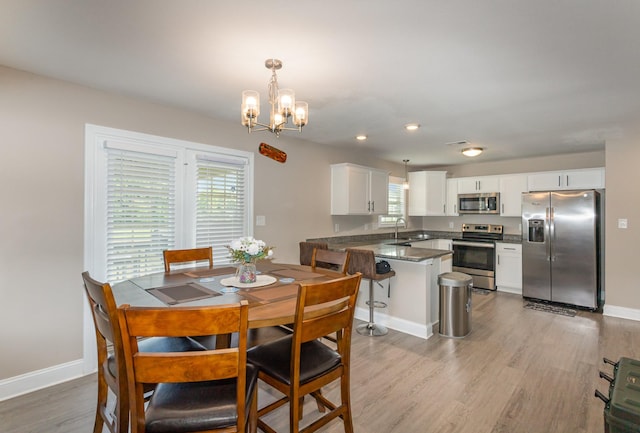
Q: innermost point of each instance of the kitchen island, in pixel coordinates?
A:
(412, 298)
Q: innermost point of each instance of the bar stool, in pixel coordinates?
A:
(364, 261)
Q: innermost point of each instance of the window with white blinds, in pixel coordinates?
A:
(145, 194)
(397, 203)
(220, 204)
(140, 212)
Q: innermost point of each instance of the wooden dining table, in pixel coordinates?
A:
(269, 305)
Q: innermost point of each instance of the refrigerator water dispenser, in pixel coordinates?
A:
(536, 230)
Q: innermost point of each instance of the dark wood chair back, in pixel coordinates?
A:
(197, 390)
(107, 329)
(330, 259)
(189, 255)
(306, 251)
(364, 261)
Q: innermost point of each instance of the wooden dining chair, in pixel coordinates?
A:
(189, 255)
(330, 259)
(300, 364)
(306, 251)
(201, 391)
(111, 365)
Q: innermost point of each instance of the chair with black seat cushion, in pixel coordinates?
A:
(111, 366)
(330, 259)
(202, 391)
(189, 255)
(364, 261)
(299, 364)
(306, 251)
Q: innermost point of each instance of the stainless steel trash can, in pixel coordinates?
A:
(455, 304)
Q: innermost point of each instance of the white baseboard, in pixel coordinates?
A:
(405, 326)
(35, 380)
(621, 312)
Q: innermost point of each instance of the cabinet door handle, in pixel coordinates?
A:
(559, 180)
(498, 259)
(455, 210)
(502, 204)
(567, 180)
(369, 206)
(444, 208)
(373, 206)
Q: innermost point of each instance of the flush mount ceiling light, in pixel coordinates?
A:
(411, 126)
(405, 184)
(361, 137)
(283, 106)
(472, 151)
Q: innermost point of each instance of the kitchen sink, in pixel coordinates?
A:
(403, 243)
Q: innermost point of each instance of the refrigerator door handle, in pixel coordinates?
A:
(552, 234)
(547, 229)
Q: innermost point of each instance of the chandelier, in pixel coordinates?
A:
(283, 106)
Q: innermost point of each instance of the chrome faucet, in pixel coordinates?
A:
(397, 221)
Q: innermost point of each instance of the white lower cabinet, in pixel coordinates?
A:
(509, 267)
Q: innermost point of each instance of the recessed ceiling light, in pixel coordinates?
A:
(472, 151)
(411, 126)
(361, 137)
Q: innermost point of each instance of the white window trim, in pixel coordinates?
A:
(97, 136)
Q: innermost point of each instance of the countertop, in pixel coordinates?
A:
(382, 245)
(385, 250)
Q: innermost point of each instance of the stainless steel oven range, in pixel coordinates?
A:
(474, 253)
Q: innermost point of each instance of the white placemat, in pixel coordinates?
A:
(262, 280)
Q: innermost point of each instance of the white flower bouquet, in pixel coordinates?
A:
(249, 250)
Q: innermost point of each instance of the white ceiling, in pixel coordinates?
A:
(518, 77)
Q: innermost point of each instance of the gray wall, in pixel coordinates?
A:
(42, 129)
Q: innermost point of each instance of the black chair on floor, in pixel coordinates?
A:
(201, 391)
(111, 366)
(364, 261)
(300, 364)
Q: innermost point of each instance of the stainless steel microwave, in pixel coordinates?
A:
(479, 203)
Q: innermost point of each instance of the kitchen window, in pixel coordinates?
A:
(145, 194)
(397, 203)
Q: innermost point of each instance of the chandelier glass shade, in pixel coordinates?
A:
(283, 106)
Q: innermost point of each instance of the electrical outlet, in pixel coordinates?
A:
(450, 224)
(366, 226)
(336, 227)
(622, 223)
(261, 220)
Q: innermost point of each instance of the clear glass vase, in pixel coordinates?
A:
(246, 273)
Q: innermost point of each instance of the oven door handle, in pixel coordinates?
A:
(474, 244)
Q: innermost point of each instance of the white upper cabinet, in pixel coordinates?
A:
(591, 178)
(452, 197)
(470, 185)
(511, 189)
(427, 193)
(358, 190)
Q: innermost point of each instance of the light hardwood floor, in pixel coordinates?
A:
(518, 371)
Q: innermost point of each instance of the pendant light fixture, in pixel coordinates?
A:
(405, 184)
(283, 106)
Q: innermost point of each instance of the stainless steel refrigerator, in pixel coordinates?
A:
(561, 247)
